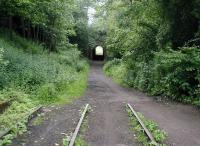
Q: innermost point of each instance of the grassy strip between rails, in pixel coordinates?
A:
(80, 139)
(158, 134)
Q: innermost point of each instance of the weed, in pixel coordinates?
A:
(158, 134)
(39, 120)
(65, 141)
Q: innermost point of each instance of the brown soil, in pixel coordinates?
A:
(108, 122)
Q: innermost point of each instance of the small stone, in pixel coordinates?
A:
(64, 134)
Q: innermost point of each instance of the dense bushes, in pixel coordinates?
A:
(174, 74)
(115, 69)
(32, 70)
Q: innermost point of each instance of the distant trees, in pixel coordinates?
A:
(81, 25)
(182, 19)
(88, 36)
(51, 22)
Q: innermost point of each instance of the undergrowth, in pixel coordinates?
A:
(172, 75)
(31, 77)
(116, 70)
(158, 134)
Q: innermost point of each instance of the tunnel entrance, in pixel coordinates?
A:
(98, 54)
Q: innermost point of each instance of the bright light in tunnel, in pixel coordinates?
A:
(99, 51)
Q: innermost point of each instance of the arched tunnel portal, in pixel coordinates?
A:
(98, 53)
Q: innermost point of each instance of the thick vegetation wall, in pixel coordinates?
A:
(30, 77)
(54, 23)
(156, 46)
(42, 44)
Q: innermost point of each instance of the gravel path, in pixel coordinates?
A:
(108, 122)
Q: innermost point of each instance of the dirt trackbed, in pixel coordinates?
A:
(108, 121)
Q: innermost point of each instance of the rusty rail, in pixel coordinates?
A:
(72, 141)
(148, 133)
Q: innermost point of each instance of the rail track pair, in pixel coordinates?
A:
(147, 132)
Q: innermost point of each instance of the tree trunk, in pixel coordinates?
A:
(37, 32)
(23, 28)
(34, 33)
(10, 21)
(29, 30)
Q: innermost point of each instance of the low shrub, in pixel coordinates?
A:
(115, 69)
(47, 93)
(112, 63)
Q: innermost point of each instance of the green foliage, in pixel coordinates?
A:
(81, 26)
(108, 66)
(182, 20)
(47, 21)
(80, 141)
(159, 135)
(115, 69)
(65, 142)
(27, 46)
(16, 116)
(1, 56)
(158, 44)
(39, 120)
(47, 92)
(171, 74)
(31, 79)
(29, 71)
(177, 73)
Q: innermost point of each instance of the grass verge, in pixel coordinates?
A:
(159, 135)
(75, 89)
(31, 77)
(16, 116)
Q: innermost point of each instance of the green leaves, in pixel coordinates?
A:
(157, 41)
(47, 21)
